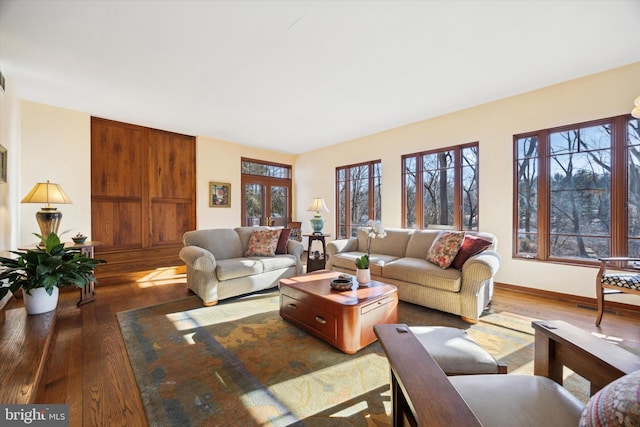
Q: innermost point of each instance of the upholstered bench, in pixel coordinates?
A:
(456, 352)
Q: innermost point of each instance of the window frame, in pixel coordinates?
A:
(266, 181)
(371, 195)
(458, 189)
(618, 235)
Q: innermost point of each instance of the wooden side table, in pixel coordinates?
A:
(88, 291)
(313, 263)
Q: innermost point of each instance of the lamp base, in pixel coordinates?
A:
(317, 223)
(49, 221)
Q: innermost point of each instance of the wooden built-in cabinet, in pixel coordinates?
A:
(143, 194)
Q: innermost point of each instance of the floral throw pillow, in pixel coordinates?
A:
(263, 243)
(445, 248)
(617, 404)
(471, 245)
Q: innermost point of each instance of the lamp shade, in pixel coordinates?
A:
(318, 205)
(46, 192)
(636, 110)
(48, 217)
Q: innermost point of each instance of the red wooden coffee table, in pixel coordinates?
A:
(343, 319)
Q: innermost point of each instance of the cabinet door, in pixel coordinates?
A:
(171, 183)
(118, 177)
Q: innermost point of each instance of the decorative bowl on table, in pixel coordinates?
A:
(79, 239)
(342, 284)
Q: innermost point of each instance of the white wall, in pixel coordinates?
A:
(219, 161)
(593, 97)
(9, 139)
(55, 147)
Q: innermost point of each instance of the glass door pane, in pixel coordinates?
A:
(279, 201)
(254, 202)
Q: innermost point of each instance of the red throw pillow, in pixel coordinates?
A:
(471, 246)
(283, 241)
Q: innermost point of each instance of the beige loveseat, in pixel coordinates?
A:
(217, 267)
(401, 259)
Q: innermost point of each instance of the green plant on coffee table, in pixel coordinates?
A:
(374, 230)
(47, 267)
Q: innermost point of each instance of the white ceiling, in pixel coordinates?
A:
(294, 76)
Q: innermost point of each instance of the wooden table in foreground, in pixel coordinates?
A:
(343, 319)
(560, 344)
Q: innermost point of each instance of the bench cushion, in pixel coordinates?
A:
(518, 400)
(455, 351)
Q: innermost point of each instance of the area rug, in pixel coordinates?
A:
(239, 364)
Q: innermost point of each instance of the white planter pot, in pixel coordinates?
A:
(40, 301)
(363, 276)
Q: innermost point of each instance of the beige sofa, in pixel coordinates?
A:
(217, 267)
(401, 259)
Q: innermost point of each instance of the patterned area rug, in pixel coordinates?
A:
(239, 364)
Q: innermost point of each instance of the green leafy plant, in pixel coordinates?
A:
(362, 262)
(47, 267)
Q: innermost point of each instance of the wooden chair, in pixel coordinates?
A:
(422, 395)
(615, 282)
(296, 231)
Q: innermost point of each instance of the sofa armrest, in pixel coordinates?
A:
(490, 260)
(342, 245)
(339, 246)
(198, 258)
(296, 249)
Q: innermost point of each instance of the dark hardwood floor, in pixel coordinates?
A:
(88, 366)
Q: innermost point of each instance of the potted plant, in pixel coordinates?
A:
(374, 230)
(41, 271)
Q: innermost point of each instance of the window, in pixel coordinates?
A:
(266, 193)
(358, 196)
(578, 191)
(440, 188)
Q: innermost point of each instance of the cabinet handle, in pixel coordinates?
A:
(320, 320)
(292, 306)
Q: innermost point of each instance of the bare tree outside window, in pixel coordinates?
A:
(358, 196)
(448, 183)
(572, 204)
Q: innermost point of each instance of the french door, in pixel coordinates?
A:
(266, 201)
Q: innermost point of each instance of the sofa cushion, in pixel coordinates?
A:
(223, 243)
(617, 404)
(445, 248)
(471, 245)
(394, 243)
(420, 242)
(376, 261)
(277, 262)
(422, 272)
(238, 267)
(283, 241)
(263, 243)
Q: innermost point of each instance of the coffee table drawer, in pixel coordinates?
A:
(312, 319)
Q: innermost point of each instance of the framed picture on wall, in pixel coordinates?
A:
(3, 164)
(219, 194)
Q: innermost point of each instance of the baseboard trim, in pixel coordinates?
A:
(582, 302)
